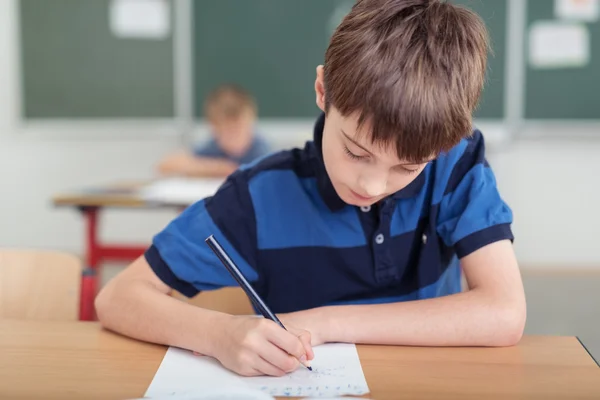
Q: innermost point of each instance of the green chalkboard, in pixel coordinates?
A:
(494, 13)
(272, 48)
(562, 93)
(74, 67)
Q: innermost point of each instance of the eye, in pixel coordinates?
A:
(406, 171)
(352, 155)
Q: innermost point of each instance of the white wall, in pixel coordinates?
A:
(552, 186)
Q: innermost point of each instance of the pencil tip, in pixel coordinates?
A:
(309, 368)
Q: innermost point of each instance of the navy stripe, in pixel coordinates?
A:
(232, 211)
(474, 154)
(297, 160)
(291, 283)
(292, 280)
(448, 283)
(482, 238)
(164, 273)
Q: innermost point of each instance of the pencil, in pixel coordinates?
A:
(235, 272)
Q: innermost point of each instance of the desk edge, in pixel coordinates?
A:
(586, 349)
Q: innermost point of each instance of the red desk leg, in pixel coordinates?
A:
(89, 276)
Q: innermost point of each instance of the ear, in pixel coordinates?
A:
(320, 88)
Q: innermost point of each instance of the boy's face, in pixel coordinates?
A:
(232, 133)
(361, 173)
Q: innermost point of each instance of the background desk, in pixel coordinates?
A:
(79, 360)
(129, 195)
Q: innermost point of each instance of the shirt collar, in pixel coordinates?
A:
(326, 189)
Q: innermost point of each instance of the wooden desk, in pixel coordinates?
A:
(90, 202)
(79, 360)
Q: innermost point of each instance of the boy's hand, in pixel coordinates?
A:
(308, 320)
(177, 163)
(252, 346)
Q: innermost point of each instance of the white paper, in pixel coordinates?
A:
(336, 372)
(581, 10)
(223, 393)
(140, 19)
(558, 45)
(183, 191)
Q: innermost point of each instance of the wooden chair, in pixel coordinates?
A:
(230, 300)
(39, 285)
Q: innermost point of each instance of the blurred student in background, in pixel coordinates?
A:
(231, 113)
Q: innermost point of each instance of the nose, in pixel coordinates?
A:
(373, 185)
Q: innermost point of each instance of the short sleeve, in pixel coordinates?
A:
(179, 254)
(209, 149)
(472, 213)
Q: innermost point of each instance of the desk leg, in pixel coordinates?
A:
(89, 277)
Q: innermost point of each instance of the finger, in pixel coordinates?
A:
(278, 357)
(305, 339)
(286, 341)
(249, 372)
(266, 368)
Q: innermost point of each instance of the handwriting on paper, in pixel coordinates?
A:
(336, 371)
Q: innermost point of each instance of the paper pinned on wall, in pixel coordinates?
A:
(559, 45)
(336, 372)
(581, 10)
(140, 19)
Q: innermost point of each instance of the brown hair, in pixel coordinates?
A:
(228, 102)
(413, 69)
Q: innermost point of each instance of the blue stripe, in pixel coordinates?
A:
(164, 273)
(181, 245)
(449, 283)
(473, 206)
(291, 213)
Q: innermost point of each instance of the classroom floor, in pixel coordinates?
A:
(558, 303)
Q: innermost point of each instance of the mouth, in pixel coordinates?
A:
(362, 198)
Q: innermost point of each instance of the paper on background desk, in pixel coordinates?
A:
(180, 190)
(336, 372)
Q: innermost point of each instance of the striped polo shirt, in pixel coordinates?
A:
(301, 246)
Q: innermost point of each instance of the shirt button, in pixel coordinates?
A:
(379, 238)
(365, 208)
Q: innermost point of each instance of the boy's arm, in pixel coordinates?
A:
(491, 313)
(137, 304)
(188, 164)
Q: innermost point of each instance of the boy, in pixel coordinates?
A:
(361, 235)
(231, 113)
